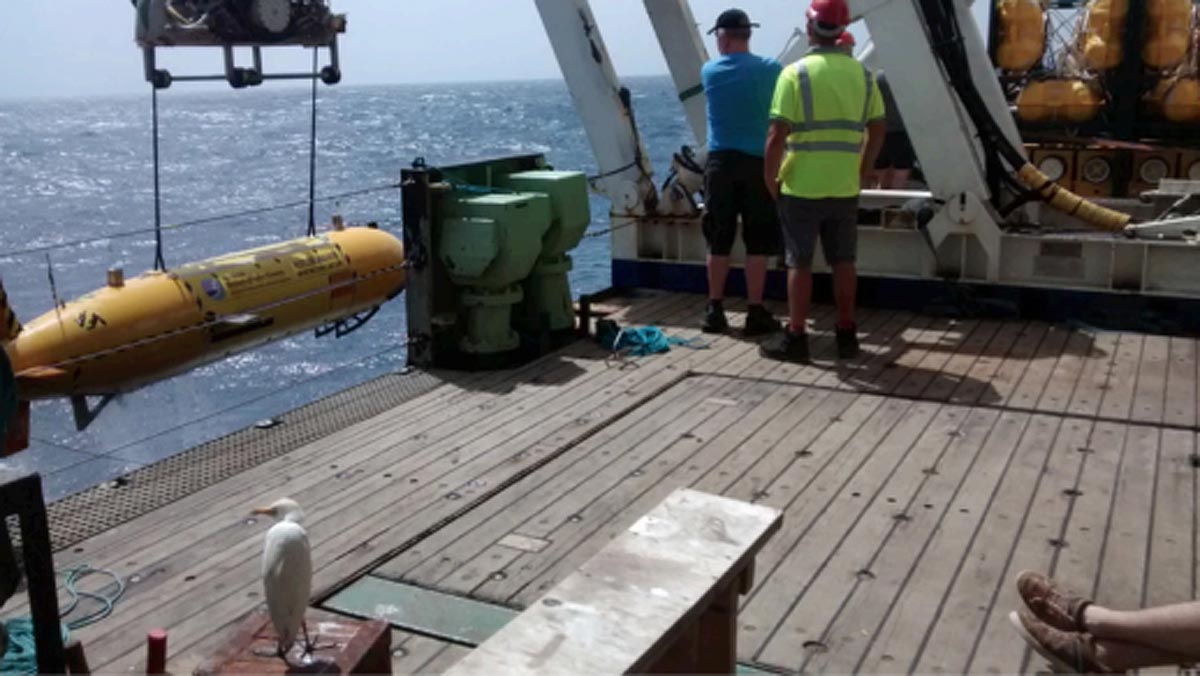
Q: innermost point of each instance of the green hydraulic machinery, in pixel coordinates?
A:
(487, 244)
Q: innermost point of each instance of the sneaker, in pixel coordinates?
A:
(1067, 651)
(786, 346)
(714, 318)
(1051, 603)
(760, 322)
(847, 343)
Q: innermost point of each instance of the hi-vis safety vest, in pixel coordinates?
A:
(828, 98)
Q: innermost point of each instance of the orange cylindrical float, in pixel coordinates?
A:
(1168, 33)
(1102, 34)
(1059, 101)
(1022, 34)
(1176, 99)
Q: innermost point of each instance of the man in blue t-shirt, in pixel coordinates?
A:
(739, 86)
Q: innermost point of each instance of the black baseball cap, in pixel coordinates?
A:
(732, 18)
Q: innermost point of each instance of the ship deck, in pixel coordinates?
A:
(915, 483)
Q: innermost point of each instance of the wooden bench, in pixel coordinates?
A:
(661, 598)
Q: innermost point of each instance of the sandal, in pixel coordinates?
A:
(1050, 603)
(1066, 651)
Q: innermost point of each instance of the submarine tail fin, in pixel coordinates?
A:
(10, 326)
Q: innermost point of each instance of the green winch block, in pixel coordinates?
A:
(571, 210)
(468, 246)
(432, 613)
(520, 220)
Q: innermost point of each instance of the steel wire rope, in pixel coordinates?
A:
(204, 220)
(312, 154)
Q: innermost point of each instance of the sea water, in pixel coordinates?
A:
(81, 169)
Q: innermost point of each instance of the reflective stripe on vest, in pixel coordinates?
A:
(809, 124)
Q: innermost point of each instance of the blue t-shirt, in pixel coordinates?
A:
(739, 88)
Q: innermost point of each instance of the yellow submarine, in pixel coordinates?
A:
(134, 332)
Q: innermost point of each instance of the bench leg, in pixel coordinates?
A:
(718, 634)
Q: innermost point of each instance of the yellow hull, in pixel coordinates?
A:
(159, 324)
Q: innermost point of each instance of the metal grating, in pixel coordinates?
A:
(83, 515)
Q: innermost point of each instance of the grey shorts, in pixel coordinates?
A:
(835, 220)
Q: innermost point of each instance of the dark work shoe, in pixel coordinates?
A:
(847, 343)
(714, 318)
(759, 322)
(786, 346)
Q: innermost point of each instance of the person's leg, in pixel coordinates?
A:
(799, 226)
(720, 228)
(760, 232)
(718, 274)
(1123, 656)
(1169, 629)
(799, 298)
(845, 293)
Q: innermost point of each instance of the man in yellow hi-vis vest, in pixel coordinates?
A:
(827, 107)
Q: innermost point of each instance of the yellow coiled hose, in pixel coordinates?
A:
(1071, 204)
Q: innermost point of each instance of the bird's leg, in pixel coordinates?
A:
(281, 651)
(310, 646)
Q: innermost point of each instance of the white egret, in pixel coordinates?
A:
(287, 573)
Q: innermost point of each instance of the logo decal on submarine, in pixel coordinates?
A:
(160, 324)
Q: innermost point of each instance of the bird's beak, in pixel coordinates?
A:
(264, 511)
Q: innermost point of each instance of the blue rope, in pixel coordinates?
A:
(21, 656)
(640, 341)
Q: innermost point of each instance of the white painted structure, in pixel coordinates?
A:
(971, 242)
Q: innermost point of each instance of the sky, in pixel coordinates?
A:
(65, 48)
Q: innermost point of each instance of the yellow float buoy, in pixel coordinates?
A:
(1022, 34)
(1059, 101)
(1168, 33)
(1102, 34)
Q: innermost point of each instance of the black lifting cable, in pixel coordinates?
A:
(159, 263)
(312, 153)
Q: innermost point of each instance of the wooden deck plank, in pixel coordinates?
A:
(961, 362)
(417, 417)
(911, 596)
(1151, 389)
(1170, 572)
(1039, 369)
(883, 561)
(545, 487)
(930, 371)
(541, 510)
(821, 522)
(1008, 374)
(908, 357)
(1093, 379)
(347, 543)
(1015, 533)
(610, 506)
(763, 368)
(1180, 406)
(832, 409)
(1122, 381)
(1121, 578)
(1067, 373)
(877, 345)
(792, 421)
(976, 385)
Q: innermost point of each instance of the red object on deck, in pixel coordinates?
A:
(156, 652)
(344, 646)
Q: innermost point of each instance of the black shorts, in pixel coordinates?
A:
(835, 221)
(733, 189)
(897, 152)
